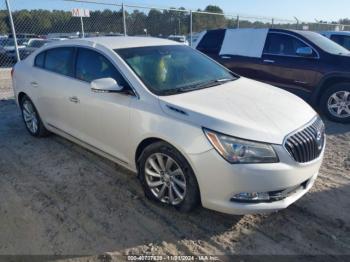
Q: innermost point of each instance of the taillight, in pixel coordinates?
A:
(12, 71)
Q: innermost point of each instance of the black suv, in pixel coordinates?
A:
(303, 62)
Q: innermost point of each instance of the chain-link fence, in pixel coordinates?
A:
(103, 19)
(37, 26)
(156, 22)
(5, 33)
(324, 27)
(54, 20)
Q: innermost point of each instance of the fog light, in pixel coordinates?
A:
(254, 196)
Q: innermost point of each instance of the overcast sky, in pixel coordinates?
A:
(306, 10)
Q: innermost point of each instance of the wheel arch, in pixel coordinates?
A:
(325, 83)
(142, 145)
(20, 97)
(150, 140)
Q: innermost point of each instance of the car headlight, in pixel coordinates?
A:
(241, 151)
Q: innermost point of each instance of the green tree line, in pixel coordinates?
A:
(154, 22)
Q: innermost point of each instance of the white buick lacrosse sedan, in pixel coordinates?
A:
(194, 132)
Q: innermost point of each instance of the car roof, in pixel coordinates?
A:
(117, 42)
(253, 30)
(304, 33)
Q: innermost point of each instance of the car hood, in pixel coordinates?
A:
(242, 108)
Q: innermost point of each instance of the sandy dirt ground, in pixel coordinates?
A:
(5, 84)
(58, 198)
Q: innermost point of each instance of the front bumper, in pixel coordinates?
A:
(219, 181)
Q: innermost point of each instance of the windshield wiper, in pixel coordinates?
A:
(194, 87)
(224, 80)
(205, 85)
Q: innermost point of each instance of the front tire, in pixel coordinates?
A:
(31, 118)
(167, 178)
(335, 102)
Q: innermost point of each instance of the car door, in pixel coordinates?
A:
(57, 92)
(282, 66)
(245, 66)
(106, 115)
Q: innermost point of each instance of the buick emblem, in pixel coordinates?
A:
(319, 140)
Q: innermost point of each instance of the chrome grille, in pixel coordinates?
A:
(306, 144)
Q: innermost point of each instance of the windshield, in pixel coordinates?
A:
(172, 69)
(325, 44)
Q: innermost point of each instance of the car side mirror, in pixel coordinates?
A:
(304, 51)
(105, 85)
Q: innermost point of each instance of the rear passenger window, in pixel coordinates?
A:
(60, 60)
(92, 65)
(39, 60)
(282, 44)
(212, 41)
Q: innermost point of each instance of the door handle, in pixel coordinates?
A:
(269, 61)
(34, 84)
(74, 99)
(225, 57)
(300, 82)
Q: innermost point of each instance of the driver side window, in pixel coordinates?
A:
(92, 65)
(282, 44)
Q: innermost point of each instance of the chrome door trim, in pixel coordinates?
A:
(89, 146)
(268, 61)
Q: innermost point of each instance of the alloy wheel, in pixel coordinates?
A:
(339, 104)
(165, 178)
(30, 116)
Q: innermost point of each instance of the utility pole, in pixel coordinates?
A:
(13, 30)
(82, 26)
(191, 28)
(124, 23)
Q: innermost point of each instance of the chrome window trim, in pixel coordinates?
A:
(135, 93)
(298, 38)
(48, 49)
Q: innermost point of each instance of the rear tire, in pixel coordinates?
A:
(335, 103)
(31, 118)
(167, 178)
